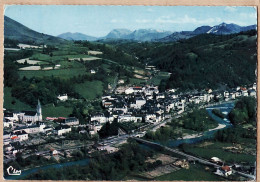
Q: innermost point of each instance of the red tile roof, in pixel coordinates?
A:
(226, 168)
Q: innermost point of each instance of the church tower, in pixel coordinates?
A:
(39, 111)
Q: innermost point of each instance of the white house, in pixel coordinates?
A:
(63, 97)
(94, 127)
(107, 148)
(224, 171)
(121, 81)
(232, 95)
(238, 93)
(226, 94)
(126, 118)
(71, 121)
(36, 128)
(131, 90)
(62, 129)
(11, 116)
(244, 93)
(8, 123)
(151, 90)
(98, 117)
(160, 96)
(150, 118)
(54, 152)
(19, 135)
(252, 93)
(139, 102)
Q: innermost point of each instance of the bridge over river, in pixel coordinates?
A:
(189, 157)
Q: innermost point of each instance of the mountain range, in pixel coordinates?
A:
(77, 36)
(161, 36)
(136, 35)
(15, 30)
(221, 29)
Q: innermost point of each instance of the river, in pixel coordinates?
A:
(224, 108)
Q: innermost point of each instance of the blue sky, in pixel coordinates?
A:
(100, 20)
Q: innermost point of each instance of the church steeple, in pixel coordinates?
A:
(39, 111)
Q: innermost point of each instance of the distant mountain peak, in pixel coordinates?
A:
(222, 28)
(76, 36)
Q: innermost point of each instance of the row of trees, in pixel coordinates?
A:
(235, 135)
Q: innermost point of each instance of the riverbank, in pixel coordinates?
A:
(220, 126)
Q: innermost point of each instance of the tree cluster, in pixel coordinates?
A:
(244, 111)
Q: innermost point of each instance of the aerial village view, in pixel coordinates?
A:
(129, 93)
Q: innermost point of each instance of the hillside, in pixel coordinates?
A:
(147, 35)
(206, 60)
(16, 31)
(76, 36)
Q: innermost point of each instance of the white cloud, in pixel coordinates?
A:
(237, 22)
(116, 21)
(150, 10)
(248, 15)
(143, 21)
(187, 19)
(230, 9)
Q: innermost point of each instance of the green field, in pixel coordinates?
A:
(158, 77)
(194, 173)
(90, 90)
(216, 150)
(17, 106)
(62, 73)
(61, 56)
(52, 111)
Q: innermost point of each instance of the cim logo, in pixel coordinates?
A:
(12, 171)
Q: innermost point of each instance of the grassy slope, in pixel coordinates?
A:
(52, 111)
(157, 78)
(8, 101)
(62, 73)
(90, 90)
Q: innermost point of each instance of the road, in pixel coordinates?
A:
(201, 160)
